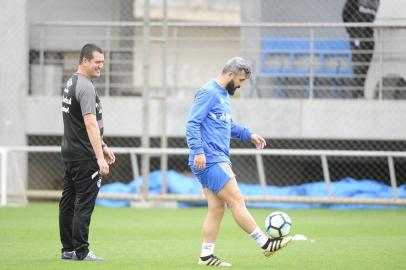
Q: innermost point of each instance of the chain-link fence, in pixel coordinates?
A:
(317, 51)
(355, 58)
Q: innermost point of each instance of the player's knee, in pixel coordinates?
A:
(217, 210)
(220, 211)
(236, 201)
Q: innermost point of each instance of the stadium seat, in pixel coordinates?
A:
(290, 57)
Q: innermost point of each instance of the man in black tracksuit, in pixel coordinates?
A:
(86, 157)
(362, 39)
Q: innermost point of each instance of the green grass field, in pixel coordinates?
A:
(170, 239)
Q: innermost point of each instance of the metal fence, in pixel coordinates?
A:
(261, 178)
(290, 60)
(156, 57)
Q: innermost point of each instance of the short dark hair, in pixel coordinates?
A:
(87, 52)
(237, 65)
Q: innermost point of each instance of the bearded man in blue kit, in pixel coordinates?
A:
(209, 129)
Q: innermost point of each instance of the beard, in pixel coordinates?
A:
(230, 87)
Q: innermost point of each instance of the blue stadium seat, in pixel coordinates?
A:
(283, 57)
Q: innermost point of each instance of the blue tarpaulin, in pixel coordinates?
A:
(178, 183)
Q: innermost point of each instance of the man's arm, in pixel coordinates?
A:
(241, 133)
(245, 134)
(93, 132)
(108, 153)
(200, 109)
(259, 141)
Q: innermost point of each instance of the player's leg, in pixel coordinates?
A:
(211, 227)
(215, 213)
(230, 193)
(212, 221)
(87, 183)
(66, 209)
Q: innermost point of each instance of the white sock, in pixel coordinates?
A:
(207, 249)
(259, 237)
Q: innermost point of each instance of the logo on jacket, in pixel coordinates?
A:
(225, 117)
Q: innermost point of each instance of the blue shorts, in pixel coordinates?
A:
(215, 176)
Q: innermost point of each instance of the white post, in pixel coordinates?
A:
(3, 182)
(380, 35)
(326, 174)
(261, 173)
(107, 68)
(164, 135)
(312, 65)
(145, 96)
(392, 175)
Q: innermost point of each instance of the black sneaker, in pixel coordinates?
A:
(67, 255)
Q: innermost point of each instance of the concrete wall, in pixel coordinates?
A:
(66, 38)
(303, 11)
(193, 63)
(302, 119)
(13, 81)
(392, 11)
(194, 57)
(13, 70)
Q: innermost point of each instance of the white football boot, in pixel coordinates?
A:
(276, 244)
(213, 261)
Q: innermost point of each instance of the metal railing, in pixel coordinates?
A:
(168, 37)
(158, 152)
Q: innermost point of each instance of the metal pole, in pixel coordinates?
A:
(326, 175)
(42, 57)
(311, 75)
(41, 47)
(3, 177)
(145, 96)
(392, 175)
(261, 172)
(175, 59)
(380, 63)
(134, 166)
(164, 138)
(107, 67)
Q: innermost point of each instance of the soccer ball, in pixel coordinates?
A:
(278, 224)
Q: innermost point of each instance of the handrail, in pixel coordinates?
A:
(236, 151)
(323, 154)
(215, 24)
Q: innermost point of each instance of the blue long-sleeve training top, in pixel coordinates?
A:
(209, 127)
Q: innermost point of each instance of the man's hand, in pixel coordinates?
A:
(103, 166)
(200, 162)
(109, 155)
(259, 142)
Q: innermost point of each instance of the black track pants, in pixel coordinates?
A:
(81, 185)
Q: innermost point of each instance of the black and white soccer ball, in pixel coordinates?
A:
(278, 224)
